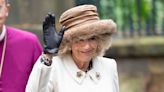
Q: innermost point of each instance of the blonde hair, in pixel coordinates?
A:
(104, 42)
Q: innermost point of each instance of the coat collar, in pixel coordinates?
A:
(79, 75)
(2, 35)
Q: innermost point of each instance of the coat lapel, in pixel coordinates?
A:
(79, 75)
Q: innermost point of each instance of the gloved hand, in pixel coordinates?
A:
(51, 37)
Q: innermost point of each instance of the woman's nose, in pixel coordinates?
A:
(86, 45)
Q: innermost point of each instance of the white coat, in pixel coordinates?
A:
(64, 76)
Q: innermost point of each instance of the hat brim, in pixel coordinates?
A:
(98, 27)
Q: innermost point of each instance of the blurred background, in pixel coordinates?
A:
(138, 45)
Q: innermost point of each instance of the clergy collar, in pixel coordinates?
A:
(2, 35)
(79, 75)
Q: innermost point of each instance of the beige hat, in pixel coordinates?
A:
(84, 21)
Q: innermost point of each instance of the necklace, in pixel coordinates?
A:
(3, 55)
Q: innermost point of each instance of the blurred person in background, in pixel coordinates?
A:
(77, 64)
(18, 52)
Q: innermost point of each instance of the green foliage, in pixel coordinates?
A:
(107, 8)
(137, 10)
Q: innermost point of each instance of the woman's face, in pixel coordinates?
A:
(84, 50)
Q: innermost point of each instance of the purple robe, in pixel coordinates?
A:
(22, 51)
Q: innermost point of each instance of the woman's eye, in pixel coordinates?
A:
(81, 40)
(93, 38)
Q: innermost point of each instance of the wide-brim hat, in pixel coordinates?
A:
(83, 20)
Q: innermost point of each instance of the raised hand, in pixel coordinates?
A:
(51, 37)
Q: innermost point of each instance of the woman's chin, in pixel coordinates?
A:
(87, 57)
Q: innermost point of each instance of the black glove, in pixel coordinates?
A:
(51, 37)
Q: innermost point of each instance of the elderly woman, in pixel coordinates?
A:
(77, 64)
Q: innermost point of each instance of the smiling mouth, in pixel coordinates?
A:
(87, 52)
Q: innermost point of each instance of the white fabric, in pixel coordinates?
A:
(61, 76)
(2, 35)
